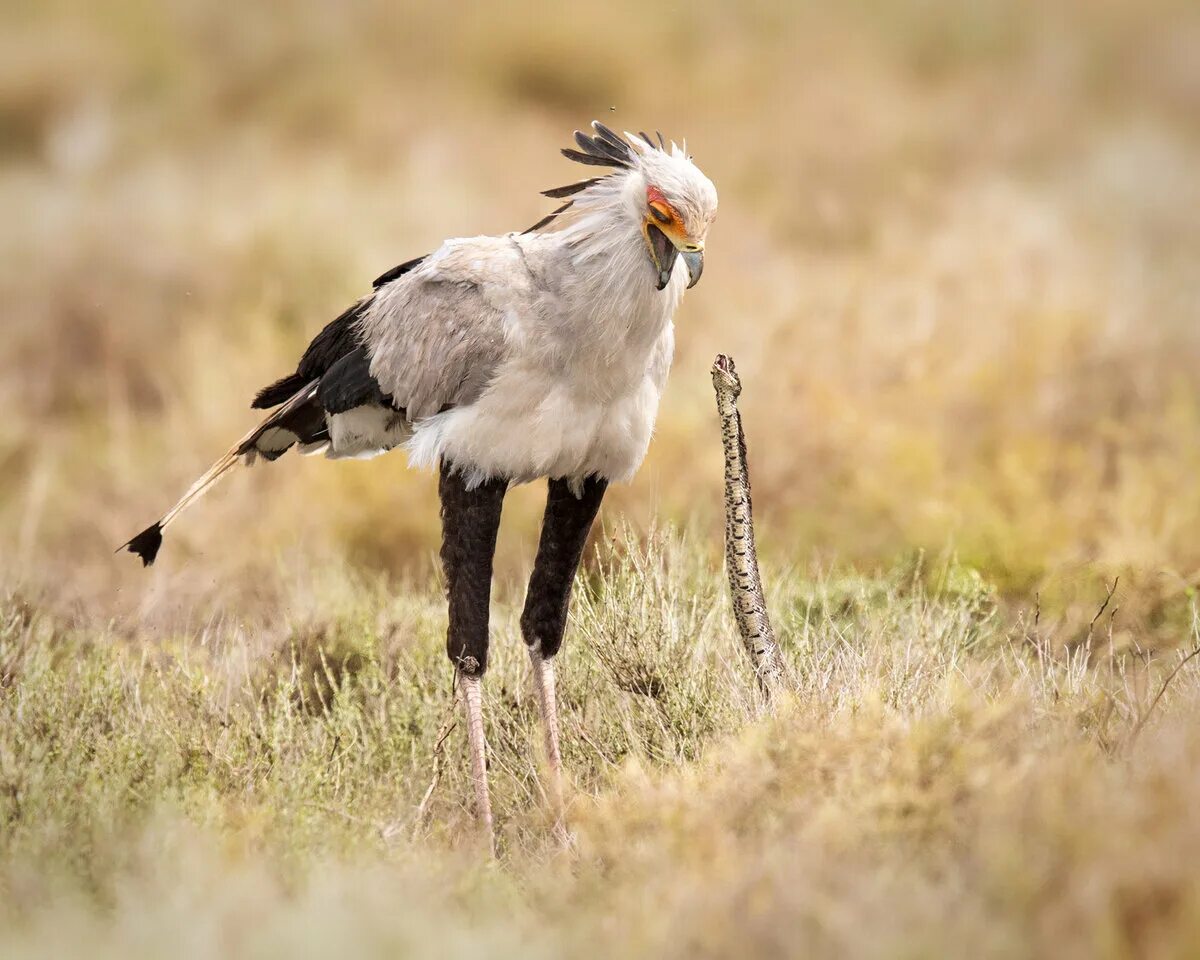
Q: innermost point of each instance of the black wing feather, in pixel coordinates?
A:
(278, 392)
(349, 384)
(397, 272)
(339, 338)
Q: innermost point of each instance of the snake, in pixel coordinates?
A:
(741, 555)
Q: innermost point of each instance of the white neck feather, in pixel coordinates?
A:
(613, 276)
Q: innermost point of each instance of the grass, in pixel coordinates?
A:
(942, 773)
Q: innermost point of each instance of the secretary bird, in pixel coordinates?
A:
(502, 360)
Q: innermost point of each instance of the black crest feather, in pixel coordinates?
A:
(598, 147)
(607, 134)
(557, 193)
(588, 158)
(606, 149)
(549, 217)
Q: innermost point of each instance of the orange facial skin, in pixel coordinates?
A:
(665, 217)
(664, 214)
(669, 239)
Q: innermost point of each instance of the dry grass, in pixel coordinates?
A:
(938, 777)
(956, 264)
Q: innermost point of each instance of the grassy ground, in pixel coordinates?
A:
(942, 775)
(955, 262)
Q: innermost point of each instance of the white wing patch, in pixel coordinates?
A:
(365, 432)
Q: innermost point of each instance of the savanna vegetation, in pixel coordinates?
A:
(956, 263)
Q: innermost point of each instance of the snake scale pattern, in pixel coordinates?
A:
(741, 557)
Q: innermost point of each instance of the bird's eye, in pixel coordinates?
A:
(659, 214)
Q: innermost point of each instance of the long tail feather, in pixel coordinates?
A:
(147, 543)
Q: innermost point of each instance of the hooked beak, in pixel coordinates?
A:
(664, 248)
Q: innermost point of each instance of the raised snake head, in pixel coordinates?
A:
(725, 378)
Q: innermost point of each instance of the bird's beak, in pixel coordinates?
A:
(692, 254)
(665, 247)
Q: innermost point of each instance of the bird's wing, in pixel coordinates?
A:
(436, 337)
(335, 343)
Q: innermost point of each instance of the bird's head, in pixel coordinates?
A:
(678, 204)
(660, 189)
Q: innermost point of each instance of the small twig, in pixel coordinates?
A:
(1137, 727)
(1100, 612)
(423, 807)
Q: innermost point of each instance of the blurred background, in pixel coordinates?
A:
(957, 263)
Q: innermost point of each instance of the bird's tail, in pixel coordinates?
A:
(299, 420)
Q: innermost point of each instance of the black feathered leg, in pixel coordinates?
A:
(470, 522)
(565, 528)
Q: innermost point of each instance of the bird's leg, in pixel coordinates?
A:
(565, 527)
(472, 694)
(543, 687)
(470, 521)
